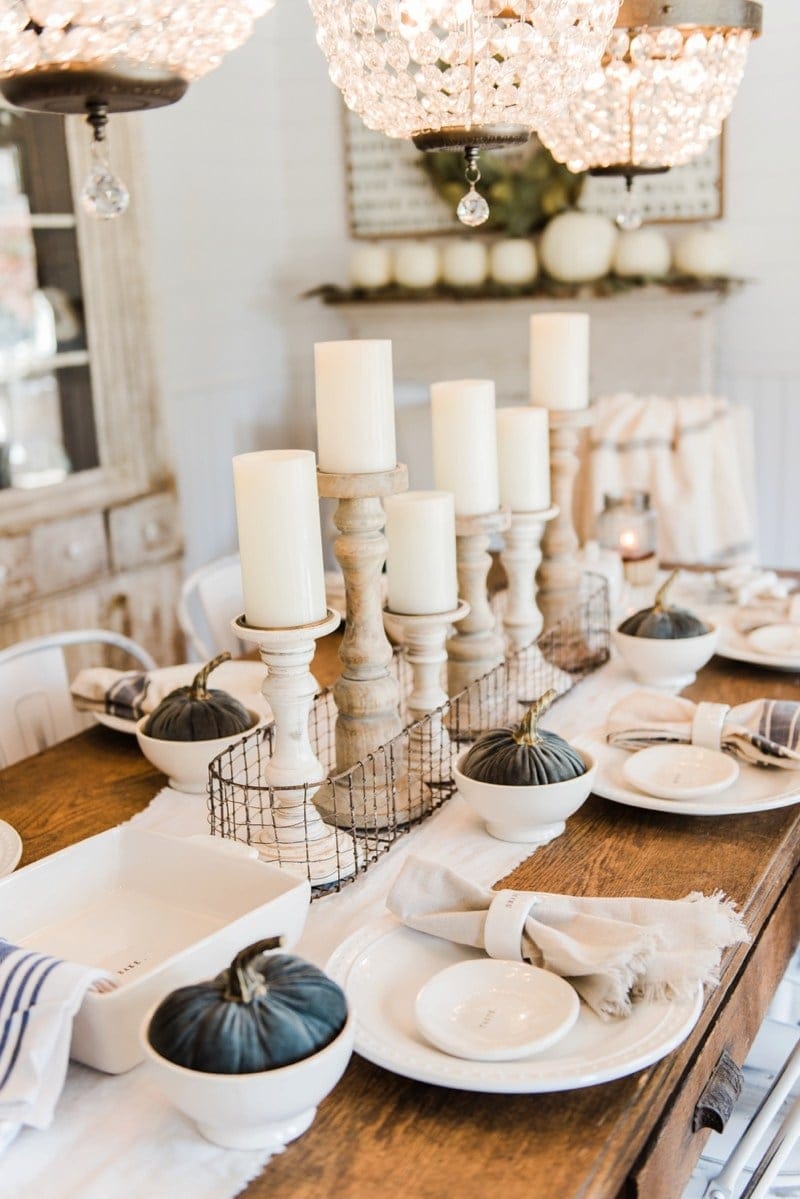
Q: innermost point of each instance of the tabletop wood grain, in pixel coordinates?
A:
(382, 1135)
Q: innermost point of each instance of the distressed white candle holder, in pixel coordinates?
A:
(560, 571)
(297, 838)
(477, 646)
(423, 641)
(367, 696)
(520, 556)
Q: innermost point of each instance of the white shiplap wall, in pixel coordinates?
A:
(247, 200)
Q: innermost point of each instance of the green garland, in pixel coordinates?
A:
(524, 190)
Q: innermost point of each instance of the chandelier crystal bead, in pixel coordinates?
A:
(667, 82)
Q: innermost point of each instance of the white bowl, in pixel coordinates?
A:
(680, 771)
(186, 762)
(252, 1111)
(531, 815)
(667, 663)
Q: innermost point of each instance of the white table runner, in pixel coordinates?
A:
(117, 1136)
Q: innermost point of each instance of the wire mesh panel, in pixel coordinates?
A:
(365, 809)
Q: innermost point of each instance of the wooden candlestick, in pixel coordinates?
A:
(297, 837)
(477, 646)
(559, 575)
(366, 694)
(520, 557)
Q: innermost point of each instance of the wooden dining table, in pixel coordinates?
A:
(380, 1134)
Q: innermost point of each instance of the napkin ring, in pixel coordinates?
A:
(707, 725)
(505, 922)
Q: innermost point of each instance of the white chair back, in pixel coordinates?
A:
(36, 708)
(210, 599)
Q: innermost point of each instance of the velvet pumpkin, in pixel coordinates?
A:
(265, 1011)
(196, 713)
(524, 755)
(662, 620)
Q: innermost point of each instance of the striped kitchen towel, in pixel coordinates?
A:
(39, 996)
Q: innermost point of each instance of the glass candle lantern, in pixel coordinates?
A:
(629, 525)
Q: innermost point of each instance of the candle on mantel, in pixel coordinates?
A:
(560, 360)
(465, 444)
(421, 563)
(355, 407)
(280, 542)
(523, 456)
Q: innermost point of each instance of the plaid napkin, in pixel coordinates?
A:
(39, 995)
(128, 694)
(764, 732)
(612, 951)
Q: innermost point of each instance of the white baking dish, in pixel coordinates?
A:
(156, 912)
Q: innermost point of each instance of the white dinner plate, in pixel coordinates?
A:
(495, 1011)
(240, 679)
(738, 647)
(757, 789)
(382, 968)
(10, 848)
(680, 771)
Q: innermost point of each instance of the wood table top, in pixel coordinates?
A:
(383, 1135)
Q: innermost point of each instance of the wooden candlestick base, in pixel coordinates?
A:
(366, 695)
(297, 837)
(520, 557)
(560, 572)
(477, 647)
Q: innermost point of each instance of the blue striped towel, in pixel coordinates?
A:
(39, 996)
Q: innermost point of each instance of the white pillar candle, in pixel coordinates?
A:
(523, 456)
(355, 407)
(280, 543)
(465, 444)
(560, 360)
(421, 563)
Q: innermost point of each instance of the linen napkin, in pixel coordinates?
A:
(129, 694)
(762, 611)
(764, 732)
(39, 996)
(612, 951)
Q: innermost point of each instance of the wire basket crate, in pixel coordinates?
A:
(365, 809)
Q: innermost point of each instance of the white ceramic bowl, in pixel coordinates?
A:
(530, 815)
(252, 1111)
(669, 664)
(186, 762)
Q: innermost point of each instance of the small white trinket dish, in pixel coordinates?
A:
(264, 1110)
(185, 763)
(156, 912)
(680, 771)
(780, 640)
(495, 1011)
(666, 663)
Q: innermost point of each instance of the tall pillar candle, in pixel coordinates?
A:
(523, 456)
(421, 563)
(355, 407)
(280, 542)
(560, 360)
(465, 444)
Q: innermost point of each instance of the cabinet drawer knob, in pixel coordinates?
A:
(719, 1095)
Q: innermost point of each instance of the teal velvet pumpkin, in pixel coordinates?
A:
(265, 1011)
(198, 713)
(524, 755)
(663, 621)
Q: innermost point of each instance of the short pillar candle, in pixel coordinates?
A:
(523, 455)
(421, 562)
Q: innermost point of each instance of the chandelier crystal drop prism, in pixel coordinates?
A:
(667, 82)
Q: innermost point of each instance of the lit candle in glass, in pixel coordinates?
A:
(560, 360)
(280, 542)
(629, 526)
(421, 563)
(465, 444)
(355, 407)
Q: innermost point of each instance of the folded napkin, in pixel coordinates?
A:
(764, 610)
(765, 732)
(750, 583)
(39, 995)
(612, 951)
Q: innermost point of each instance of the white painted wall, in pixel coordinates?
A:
(247, 195)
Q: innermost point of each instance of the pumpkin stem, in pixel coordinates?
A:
(245, 983)
(526, 732)
(661, 594)
(199, 690)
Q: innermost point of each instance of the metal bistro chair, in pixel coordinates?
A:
(210, 599)
(36, 708)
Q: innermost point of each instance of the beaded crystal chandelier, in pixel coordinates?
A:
(104, 56)
(461, 74)
(668, 80)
